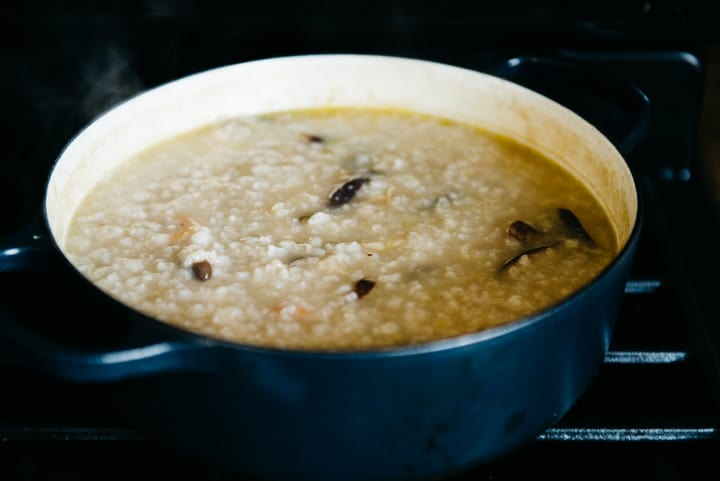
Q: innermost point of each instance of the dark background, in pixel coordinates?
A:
(64, 62)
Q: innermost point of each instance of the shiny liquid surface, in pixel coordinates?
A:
(341, 229)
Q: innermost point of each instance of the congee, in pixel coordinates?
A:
(339, 229)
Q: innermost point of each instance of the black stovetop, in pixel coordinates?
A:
(653, 412)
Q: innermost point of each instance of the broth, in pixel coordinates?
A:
(340, 229)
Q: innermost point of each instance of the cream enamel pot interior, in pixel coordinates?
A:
(328, 81)
(415, 412)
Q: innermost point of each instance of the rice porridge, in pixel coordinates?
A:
(339, 229)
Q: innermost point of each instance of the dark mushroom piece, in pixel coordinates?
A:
(363, 287)
(535, 250)
(295, 260)
(202, 270)
(305, 217)
(574, 227)
(312, 138)
(522, 231)
(345, 193)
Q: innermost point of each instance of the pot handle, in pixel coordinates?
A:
(618, 108)
(26, 248)
(139, 352)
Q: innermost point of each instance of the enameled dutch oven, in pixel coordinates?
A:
(414, 412)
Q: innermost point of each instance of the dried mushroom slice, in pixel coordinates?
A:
(345, 193)
(529, 252)
(522, 231)
(363, 287)
(312, 138)
(573, 226)
(202, 270)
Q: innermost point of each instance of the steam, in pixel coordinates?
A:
(107, 80)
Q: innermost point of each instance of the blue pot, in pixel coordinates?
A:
(405, 413)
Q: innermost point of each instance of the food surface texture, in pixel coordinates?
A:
(344, 229)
